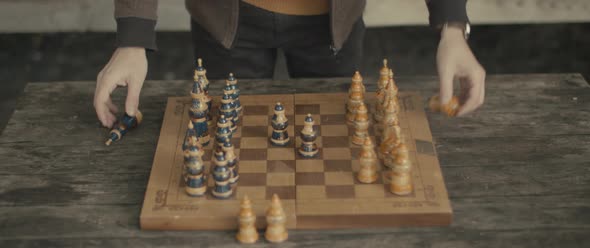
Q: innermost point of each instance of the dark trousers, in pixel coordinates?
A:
(305, 40)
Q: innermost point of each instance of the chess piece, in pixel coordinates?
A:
(391, 141)
(401, 173)
(276, 219)
(123, 126)
(190, 134)
(247, 233)
(309, 148)
(361, 124)
(198, 115)
(223, 133)
(228, 110)
(279, 135)
(200, 71)
(381, 83)
(356, 95)
(232, 161)
(196, 181)
(450, 108)
(368, 161)
(390, 108)
(221, 176)
(233, 82)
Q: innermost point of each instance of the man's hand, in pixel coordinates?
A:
(127, 67)
(456, 61)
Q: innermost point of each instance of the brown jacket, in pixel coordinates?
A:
(136, 19)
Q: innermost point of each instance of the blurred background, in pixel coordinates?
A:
(69, 40)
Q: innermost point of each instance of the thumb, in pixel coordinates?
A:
(132, 101)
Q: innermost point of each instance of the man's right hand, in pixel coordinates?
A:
(127, 68)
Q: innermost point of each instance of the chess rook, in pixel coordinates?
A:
(308, 148)
(356, 95)
(276, 219)
(361, 125)
(368, 161)
(123, 126)
(247, 233)
(221, 176)
(279, 135)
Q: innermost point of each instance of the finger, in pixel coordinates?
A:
(101, 102)
(474, 97)
(446, 76)
(112, 107)
(132, 101)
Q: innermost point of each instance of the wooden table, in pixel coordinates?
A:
(517, 171)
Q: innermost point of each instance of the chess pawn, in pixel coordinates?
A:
(309, 148)
(233, 82)
(223, 133)
(232, 161)
(247, 233)
(279, 135)
(123, 126)
(368, 161)
(361, 124)
(450, 109)
(355, 96)
(198, 116)
(221, 176)
(196, 181)
(227, 108)
(401, 175)
(276, 220)
(381, 83)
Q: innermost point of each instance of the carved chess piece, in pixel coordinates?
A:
(276, 219)
(279, 135)
(247, 233)
(381, 83)
(401, 176)
(200, 71)
(368, 161)
(356, 95)
(391, 140)
(450, 109)
(233, 82)
(223, 133)
(309, 148)
(198, 115)
(196, 181)
(232, 161)
(123, 126)
(221, 176)
(361, 125)
(390, 108)
(228, 110)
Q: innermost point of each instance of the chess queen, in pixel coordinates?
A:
(279, 136)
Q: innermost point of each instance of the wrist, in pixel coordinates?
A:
(132, 50)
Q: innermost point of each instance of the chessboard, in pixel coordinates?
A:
(316, 193)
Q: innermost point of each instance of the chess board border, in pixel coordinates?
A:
(160, 212)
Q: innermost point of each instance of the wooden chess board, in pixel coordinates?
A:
(318, 193)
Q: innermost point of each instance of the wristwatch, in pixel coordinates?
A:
(463, 25)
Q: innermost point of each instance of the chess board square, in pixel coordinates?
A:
(252, 154)
(257, 131)
(335, 141)
(309, 178)
(207, 155)
(255, 110)
(254, 142)
(355, 165)
(339, 191)
(280, 179)
(300, 119)
(331, 119)
(336, 153)
(311, 192)
(252, 179)
(339, 178)
(303, 109)
(281, 166)
(255, 120)
(332, 109)
(337, 165)
(236, 142)
(253, 192)
(284, 192)
(309, 165)
(334, 130)
(369, 190)
(281, 154)
(252, 166)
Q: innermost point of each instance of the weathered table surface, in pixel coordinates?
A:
(517, 171)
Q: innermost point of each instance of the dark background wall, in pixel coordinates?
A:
(544, 48)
